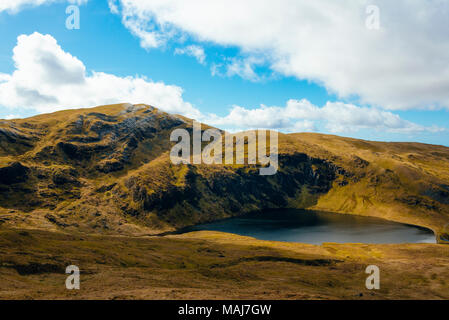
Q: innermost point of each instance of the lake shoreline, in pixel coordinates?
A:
(327, 217)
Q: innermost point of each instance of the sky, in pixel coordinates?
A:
(376, 70)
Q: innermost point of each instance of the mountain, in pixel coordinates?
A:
(107, 170)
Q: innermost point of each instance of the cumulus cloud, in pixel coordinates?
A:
(15, 5)
(193, 51)
(47, 79)
(113, 6)
(12, 116)
(242, 67)
(302, 115)
(402, 65)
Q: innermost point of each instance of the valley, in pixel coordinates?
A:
(96, 188)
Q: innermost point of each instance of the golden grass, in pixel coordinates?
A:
(211, 265)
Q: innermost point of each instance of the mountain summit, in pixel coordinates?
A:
(107, 170)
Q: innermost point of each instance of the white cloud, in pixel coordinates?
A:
(12, 116)
(304, 126)
(193, 51)
(78, 2)
(242, 67)
(148, 39)
(4, 77)
(113, 6)
(16, 5)
(47, 79)
(402, 65)
(301, 115)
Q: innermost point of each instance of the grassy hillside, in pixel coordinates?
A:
(211, 265)
(106, 170)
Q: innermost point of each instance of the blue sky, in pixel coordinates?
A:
(276, 90)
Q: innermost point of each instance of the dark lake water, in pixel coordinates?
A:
(317, 227)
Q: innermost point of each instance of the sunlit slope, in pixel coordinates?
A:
(107, 170)
(406, 182)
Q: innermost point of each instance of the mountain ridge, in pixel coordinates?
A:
(107, 170)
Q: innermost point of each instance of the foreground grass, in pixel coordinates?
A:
(212, 265)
